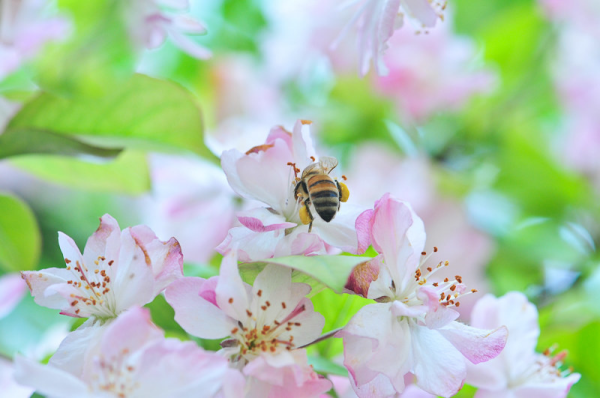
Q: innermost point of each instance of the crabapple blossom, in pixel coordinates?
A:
(518, 371)
(149, 24)
(376, 21)
(266, 173)
(135, 360)
(118, 269)
(464, 246)
(266, 324)
(23, 32)
(412, 327)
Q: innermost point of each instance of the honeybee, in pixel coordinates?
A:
(317, 187)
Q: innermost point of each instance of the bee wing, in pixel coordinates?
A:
(310, 168)
(328, 163)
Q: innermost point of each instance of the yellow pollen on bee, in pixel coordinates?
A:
(304, 216)
(345, 192)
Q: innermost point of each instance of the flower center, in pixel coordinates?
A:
(257, 334)
(94, 288)
(449, 290)
(114, 375)
(545, 369)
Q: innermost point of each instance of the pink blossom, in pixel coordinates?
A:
(376, 21)
(23, 32)
(265, 323)
(191, 200)
(518, 371)
(445, 219)
(12, 289)
(431, 73)
(263, 174)
(117, 270)
(135, 360)
(149, 24)
(412, 327)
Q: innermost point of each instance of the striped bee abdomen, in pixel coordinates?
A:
(324, 195)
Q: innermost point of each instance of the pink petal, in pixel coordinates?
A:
(76, 349)
(133, 282)
(375, 342)
(129, 332)
(256, 225)
(477, 345)
(304, 244)
(363, 230)
(250, 246)
(43, 284)
(439, 367)
(398, 233)
(48, 380)
(302, 144)
(171, 368)
(12, 289)
(231, 291)
(165, 258)
(341, 231)
(105, 242)
(362, 275)
(291, 377)
(194, 313)
(279, 132)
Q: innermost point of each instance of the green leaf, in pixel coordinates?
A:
(143, 113)
(330, 271)
(19, 235)
(128, 173)
(324, 365)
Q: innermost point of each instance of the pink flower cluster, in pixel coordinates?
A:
(406, 341)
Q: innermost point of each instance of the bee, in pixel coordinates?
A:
(316, 187)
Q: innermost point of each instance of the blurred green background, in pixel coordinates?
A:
(79, 148)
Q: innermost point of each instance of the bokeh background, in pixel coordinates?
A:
(488, 123)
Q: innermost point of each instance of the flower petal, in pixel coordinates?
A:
(231, 291)
(12, 289)
(477, 345)
(302, 144)
(198, 316)
(49, 380)
(439, 367)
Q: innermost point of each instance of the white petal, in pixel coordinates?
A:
(231, 291)
(196, 315)
(48, 380)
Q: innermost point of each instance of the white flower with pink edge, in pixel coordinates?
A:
(266, 324)
(518, 371)
(266, 173)
(135, 360)
(118, 270)
(412, 327)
